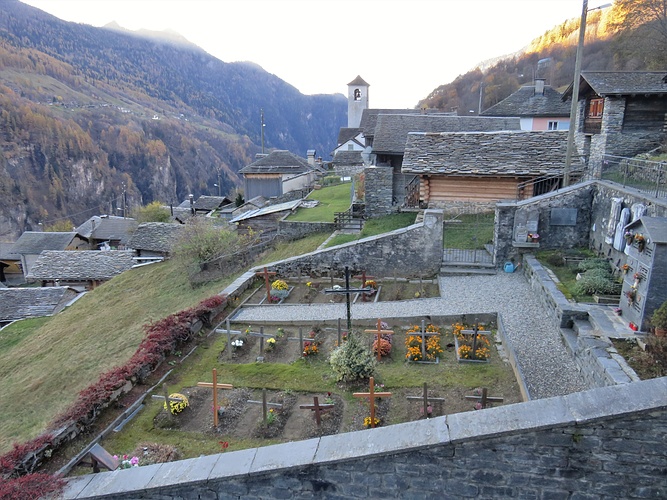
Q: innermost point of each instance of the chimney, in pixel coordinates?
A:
(311, 157)
(539, 86)
(192, 204)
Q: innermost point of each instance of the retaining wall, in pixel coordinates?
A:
(596, 444)
(293, 230)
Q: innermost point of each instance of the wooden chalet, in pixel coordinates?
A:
(538, 106)
(276, 174)
(480, 167)
(86, 268)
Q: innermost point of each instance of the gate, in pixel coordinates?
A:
(468, 238)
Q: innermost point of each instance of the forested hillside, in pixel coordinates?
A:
(87, 112)
(628, 36)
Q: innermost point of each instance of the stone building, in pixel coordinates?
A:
(619, 113)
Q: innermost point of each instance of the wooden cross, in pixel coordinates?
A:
(425, 334)
(266, 273)
(379, 331)
(424, 397)
(485, 399)
(215, 386)
(265, 405)
(229, 332)
(474, 332)
(261, 336)
(348, 291)
(300, 339)
(317, 408)
(363, 282)
(371, 395)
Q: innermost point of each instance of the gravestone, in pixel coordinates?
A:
(619, 239)
(638, 211)
(614, 214)
(563, 217)
(99, 456)
(525, 221)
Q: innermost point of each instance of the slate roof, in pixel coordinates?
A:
(391, 131)
(358, 81)
(348, 134)
(107, 227)
(83, 265)
(21, 303)
(656, 228)
(280, 207)
(614, 83)
(525, 103)
(278, 162)
(34, 242)
(209, 203)
(507, 153)
(347, 158)
(369, 117)
(155, 236)
(7, 252)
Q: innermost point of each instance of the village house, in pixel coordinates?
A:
(22, 303)
(620, 113)
(538, 106)
(154, 240)
(278, 173)
(105, 232)
(31, 244)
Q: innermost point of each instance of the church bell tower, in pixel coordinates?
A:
(357, 101)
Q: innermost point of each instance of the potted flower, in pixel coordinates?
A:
(641, 242)
(659, 320)
(533, 238)
(629, 237)
(631, 295)
(625, 268)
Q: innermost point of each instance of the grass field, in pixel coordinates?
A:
(332, 199)
(472, 232)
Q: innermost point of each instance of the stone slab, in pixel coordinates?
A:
(529, 416)
(120, 481)
(190, 470)
(284, 456)
(234, 463)
(618, 400)
(75, 486)
(383, 440)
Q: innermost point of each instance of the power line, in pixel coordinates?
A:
(95, 208)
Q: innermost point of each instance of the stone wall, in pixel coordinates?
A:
(602, 443)
(552, 236)
(293, 230)
(414, 251)
(378, 191)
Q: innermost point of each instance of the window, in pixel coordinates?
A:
(595, 108)
(552, 126)
(350, 147)
(357, 95)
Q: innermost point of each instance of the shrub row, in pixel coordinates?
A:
(162, 337)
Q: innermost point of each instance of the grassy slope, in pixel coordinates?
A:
(47, 361)
(332, 199)
(373, 227)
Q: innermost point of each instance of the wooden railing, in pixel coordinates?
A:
(352, 218)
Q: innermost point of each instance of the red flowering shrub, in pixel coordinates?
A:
(14, 463)
(31, 487)
(385, 347)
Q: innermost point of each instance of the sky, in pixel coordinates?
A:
(404, 49)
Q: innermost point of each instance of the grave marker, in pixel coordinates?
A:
(347, 291)
(371, 395)
(424, 397)
(484, 399)
(215, 386)
(99, 456)
(229, 332)
(317, 408)
(266, 273)
(363, 282)
(265, 405)
(300, 339)
(379, 331)
(423, 333)
(474, 332)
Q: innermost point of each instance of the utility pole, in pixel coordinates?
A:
(262, 127)
(124, 201)
(575, 95)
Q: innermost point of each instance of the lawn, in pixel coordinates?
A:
(332, 199)
(47, 361)
(470, 232)
(567, 275)
(377, 226)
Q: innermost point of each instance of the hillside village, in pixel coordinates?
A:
(441, 167)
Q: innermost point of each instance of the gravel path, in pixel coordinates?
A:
(547, 367)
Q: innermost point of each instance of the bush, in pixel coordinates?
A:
(555, 259)
(352, 361)
(31, 487)
(595, 282)
(597, 263)
(156, 453)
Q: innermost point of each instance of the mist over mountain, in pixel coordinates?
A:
(88, 112)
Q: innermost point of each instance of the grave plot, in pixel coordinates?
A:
(302, 389)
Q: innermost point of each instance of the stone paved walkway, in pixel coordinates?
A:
(548, 368)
